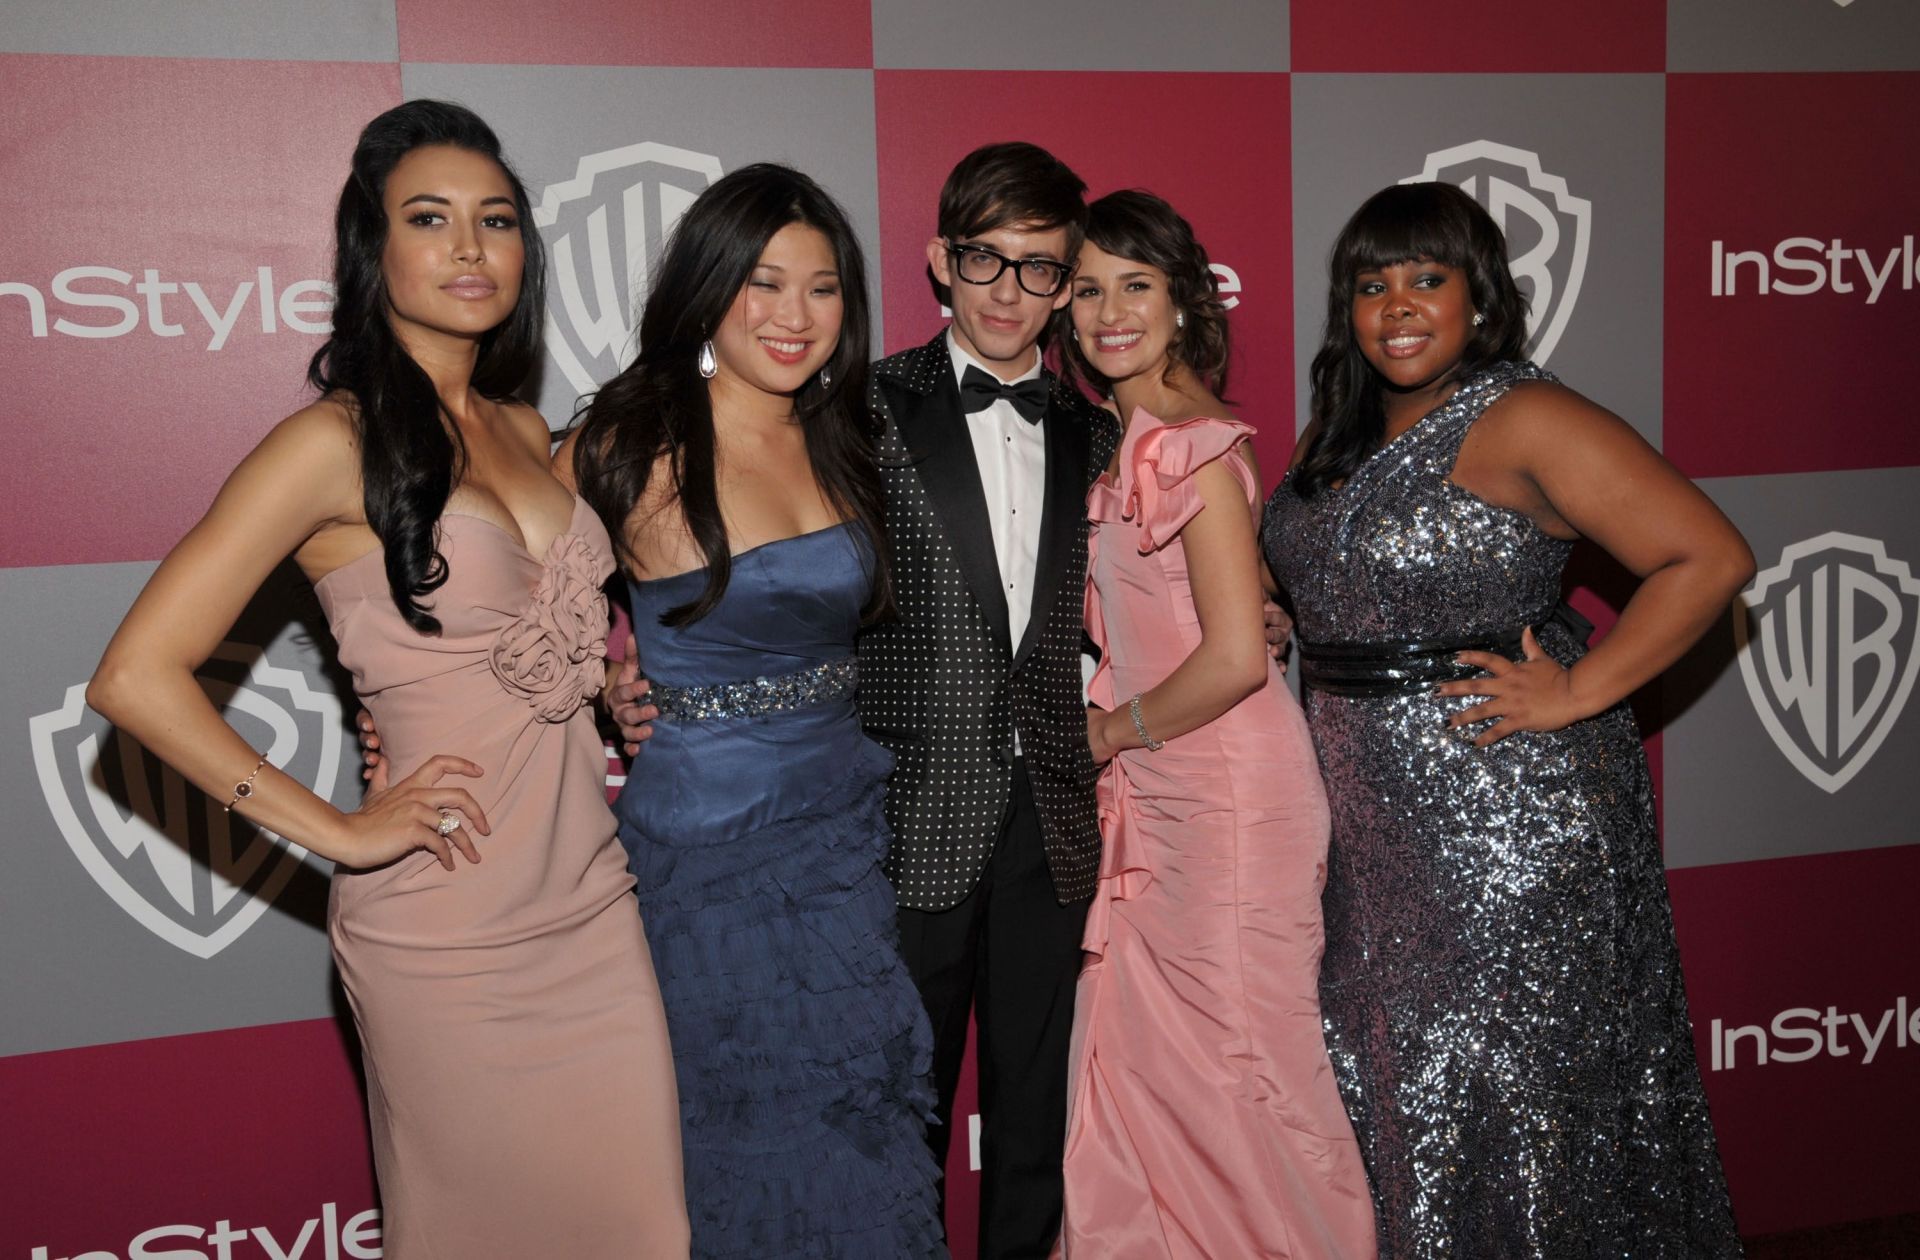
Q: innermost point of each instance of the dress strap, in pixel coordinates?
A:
(1156, 490)
(1432, 445)
(1446, 427)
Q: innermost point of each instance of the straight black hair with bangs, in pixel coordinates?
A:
(1402, 223)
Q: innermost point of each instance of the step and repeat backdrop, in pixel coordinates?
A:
(1713, 205)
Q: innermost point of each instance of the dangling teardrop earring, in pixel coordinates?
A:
(1179, 319)
(826, 377)
(708, 364)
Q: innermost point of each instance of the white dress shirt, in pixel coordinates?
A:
(1012, 457)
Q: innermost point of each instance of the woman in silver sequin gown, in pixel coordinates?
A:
(1501, 986)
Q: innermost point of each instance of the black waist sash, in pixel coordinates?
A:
(1398, 666)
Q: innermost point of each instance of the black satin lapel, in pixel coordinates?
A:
(934, 430)
(1060, 517)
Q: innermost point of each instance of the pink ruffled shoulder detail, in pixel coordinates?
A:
(1157, 464)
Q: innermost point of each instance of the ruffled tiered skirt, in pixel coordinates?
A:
(800, 1042)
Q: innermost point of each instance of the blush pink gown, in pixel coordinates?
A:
(519, 1082)
(1203, 1119)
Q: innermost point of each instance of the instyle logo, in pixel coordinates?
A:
(1227, 284)
(1801, 1033)
(1820, 266)
(172, 858)
(97, 299)
(322, 1237)
(603, 227)
(1826, 641)
(1548, 229)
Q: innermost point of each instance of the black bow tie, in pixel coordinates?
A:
(979, 391)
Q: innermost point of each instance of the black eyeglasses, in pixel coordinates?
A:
(976, 264)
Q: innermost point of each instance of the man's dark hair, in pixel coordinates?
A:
(1014, 184)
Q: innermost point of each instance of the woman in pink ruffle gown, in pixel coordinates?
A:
(1203, 1117)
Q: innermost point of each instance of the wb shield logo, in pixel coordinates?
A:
(1548, 229)
(191, 873)
(1826, 646)
(603, 228)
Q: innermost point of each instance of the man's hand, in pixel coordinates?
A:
(627, 704)
(1100, 741)
(375, 769)
(1279, 633)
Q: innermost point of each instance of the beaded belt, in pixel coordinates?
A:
(757, 697)
(1397, 667)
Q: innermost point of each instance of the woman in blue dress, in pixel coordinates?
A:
(733, 465)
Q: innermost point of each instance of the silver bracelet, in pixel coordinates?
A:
(1140, 726)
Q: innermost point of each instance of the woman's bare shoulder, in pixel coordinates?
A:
(319, 441)
(528, 425)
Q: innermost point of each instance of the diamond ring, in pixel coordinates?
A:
(448, 823)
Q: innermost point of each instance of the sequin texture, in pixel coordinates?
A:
(1501, 987)
(757, 697)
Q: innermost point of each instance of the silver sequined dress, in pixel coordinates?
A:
(1501, 988)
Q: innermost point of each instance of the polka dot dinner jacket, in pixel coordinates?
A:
(941, 686)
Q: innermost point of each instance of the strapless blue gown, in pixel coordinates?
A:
(753, 823)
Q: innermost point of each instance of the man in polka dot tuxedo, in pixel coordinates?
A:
(976, 686)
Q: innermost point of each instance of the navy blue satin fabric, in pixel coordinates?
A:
(800, 1043)
(789, 605)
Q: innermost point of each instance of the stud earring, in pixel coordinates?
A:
(1478, 319)
(708, 364)
(1179, 319)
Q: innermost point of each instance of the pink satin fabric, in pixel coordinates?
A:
(1203, 1117)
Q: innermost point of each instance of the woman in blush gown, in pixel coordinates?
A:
(519, 1082)
(1203, 1115)
(733, 462)
(1502, 988)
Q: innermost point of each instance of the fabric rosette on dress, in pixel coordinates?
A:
(519, 1078)
(553, 655)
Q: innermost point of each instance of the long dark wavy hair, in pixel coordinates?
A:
(1138, 226)
(1402, 223)
(659, 404)
(411, 454)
